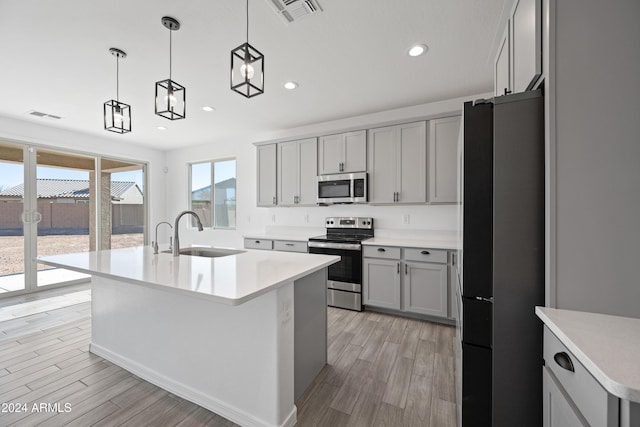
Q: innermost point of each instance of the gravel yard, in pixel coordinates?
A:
(12, 248)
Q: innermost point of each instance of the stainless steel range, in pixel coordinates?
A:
(343, 238)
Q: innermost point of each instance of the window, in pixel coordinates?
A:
(215, 204)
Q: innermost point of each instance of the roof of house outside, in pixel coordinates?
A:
(67, 188)
(203, 193)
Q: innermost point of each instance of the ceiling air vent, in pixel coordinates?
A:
(42, 115)
(294, 10)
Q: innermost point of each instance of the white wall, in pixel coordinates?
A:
(30, 132)
(253, 219)
(596, 146)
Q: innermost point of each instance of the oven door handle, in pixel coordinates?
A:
(347, 246)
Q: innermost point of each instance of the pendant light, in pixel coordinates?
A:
(170, 96)
(247, 68)
(117, 115)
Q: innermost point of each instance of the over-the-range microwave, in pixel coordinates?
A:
(342, 188)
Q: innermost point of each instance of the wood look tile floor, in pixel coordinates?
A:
(383, 370)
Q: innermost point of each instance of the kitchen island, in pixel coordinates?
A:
(242, 335)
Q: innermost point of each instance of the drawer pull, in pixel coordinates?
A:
(381, 250)
(564, 361)
(425, 253)
(258, 241)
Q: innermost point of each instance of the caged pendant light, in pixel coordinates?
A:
(170, 95)
(117, 115)
(247, 68)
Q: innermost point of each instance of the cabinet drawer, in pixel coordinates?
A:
(258, 244)
(290, 246)
(597, 406)
(424, 254)
(386, 252)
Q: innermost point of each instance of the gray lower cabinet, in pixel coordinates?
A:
(572, 396)
(381, 283)
(424, 288)
(411, 280)
(276, 245)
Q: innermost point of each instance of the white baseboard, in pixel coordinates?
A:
(230, 412)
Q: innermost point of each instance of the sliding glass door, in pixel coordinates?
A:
(12, 240)
(54, 202)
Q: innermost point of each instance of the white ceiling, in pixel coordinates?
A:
(350, 59)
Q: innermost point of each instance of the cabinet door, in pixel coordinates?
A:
(355, 152)
(381, 283)
(526, 44)
(425, 288)
(308, 175)
(557, 409)
(266, 174)
(288, 167)
(502, 79)
(443, 153)
(412, 147)
(330, 154)
(382, 164)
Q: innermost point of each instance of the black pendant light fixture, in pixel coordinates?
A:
(170, 96)
(247, 68)
(117, 115)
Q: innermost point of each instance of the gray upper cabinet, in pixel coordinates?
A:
(526, 44)
(518, 62)
(501, 67)
(297, 170)
(266, 175)
(397, 164)
(443, 165)
(342, 153)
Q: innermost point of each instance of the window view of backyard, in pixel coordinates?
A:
(62, 217)
(222, 174)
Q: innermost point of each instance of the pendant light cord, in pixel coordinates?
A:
(118, 78)
(247, 21)
(170, 31)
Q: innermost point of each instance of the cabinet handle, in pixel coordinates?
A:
(288, 244)
(274, 200)
(295, 199)
(257, 241)
(395, 196)
(564, 361)
(381, 250)
(405, 269)
(398, 268)
(425, 253)
(506, 91)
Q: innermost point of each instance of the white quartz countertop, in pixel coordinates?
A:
(232, 279)
(607, 346)
(406, 242)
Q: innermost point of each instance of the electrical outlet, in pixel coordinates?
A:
(273, 218)
(406, 219)
(306, 218)
(248, 219)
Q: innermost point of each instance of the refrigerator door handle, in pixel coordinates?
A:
(485, 299)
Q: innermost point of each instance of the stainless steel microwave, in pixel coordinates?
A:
(342, 188)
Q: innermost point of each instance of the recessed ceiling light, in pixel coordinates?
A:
(418, 50)
(208, 109)
(161, 128)
(290, 85)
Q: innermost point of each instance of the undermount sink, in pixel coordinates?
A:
(208, 252)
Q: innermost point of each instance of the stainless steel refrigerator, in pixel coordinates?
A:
(503, 261)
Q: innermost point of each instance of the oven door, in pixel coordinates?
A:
(346, 274)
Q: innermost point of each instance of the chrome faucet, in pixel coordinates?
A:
(176, 238)
(155, 242)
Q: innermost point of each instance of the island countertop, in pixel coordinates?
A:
(232, 279)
